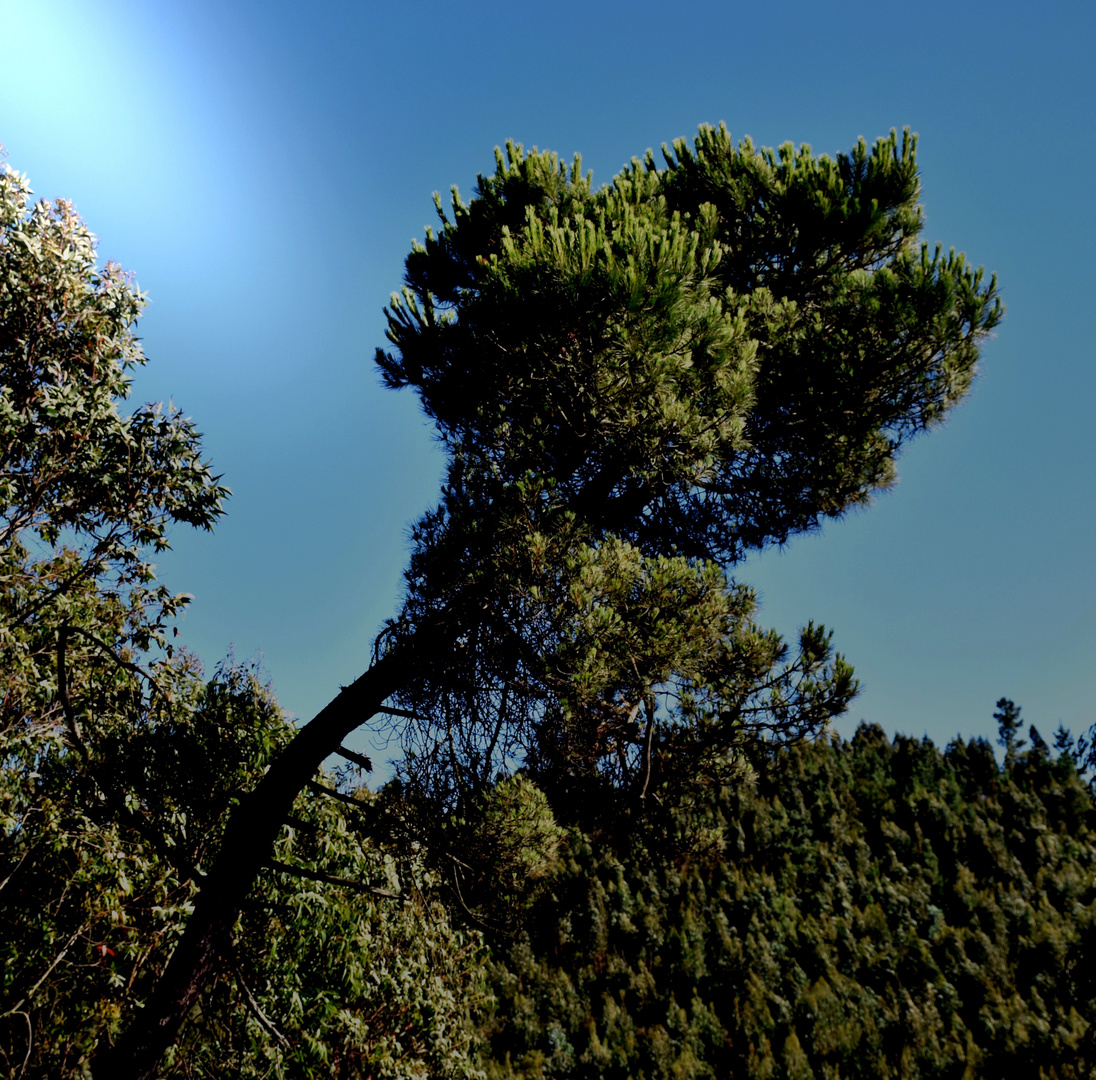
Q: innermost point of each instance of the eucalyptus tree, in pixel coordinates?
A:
(87, 492)
(636, 385)
(119, 761)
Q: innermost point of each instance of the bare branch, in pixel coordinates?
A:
(406, 714)
(354, 756)
(648, 737)
(30, 1041)
(331, 879)
(63, 692)
(266, 1024)
(322, 789)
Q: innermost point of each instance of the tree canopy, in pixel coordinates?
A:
(637, 385)
(85, 481)
(702, 358)
(862, 909)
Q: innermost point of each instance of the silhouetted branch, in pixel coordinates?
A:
(331, 879)
(354, 756)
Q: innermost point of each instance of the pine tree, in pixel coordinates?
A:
(1008, 723)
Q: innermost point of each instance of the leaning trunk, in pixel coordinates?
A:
(247, 845)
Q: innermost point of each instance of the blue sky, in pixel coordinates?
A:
(264, 167)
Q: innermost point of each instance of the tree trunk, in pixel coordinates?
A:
(247, 845)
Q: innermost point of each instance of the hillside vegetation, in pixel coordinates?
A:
(861, 909)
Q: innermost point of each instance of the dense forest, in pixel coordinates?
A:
(852, 909)
(620, 839)
(847, 909)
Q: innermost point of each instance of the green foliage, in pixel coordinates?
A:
(875, 909)
(496, 856)
(120, 764)
(320, 976)
(72, 466)
(92, 844)
(703, 358)
(870, 339)
(357, 975)
(636, 386)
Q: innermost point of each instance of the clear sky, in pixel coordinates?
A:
(264, 167)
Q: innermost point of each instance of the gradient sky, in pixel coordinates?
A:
(264, 167)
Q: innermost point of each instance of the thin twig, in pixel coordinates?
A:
(468, 911)
(17, 865)
(14, 1010)
(30, 1041)
(52, 595)
(648, 739)
(135, 668)
(64, 695)
(266, 1024)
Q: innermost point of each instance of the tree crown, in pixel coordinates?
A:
(704, 358)
(636, 385)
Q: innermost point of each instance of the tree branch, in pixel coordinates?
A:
(331, 879)
(354, 756)
(245, 848)
(253, 1005)
(135, 668)
(404, 713)
(331, 793)
(30, 1042)
(65, 696)
(648, 738)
